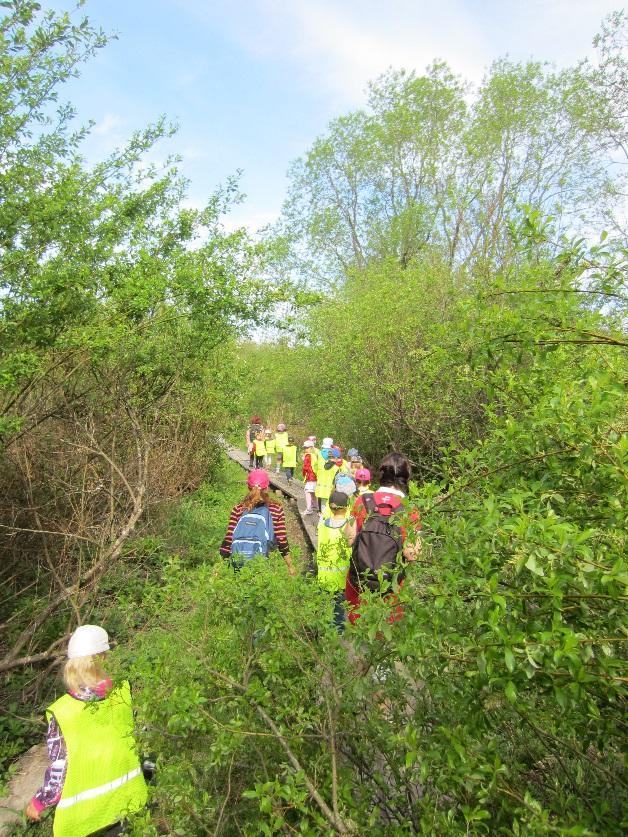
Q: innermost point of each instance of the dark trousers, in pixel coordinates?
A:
(259, 461)
(340, 615)
(288, 472)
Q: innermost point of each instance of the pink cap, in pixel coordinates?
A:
(363, 474)
(258, 478)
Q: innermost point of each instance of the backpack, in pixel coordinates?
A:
(253, 535)
(345, 483)
(375, 549)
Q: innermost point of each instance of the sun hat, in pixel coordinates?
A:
(258, 478)
(363, 474)
(335, 453)
(308, 444)
(87, 640)
(328, 442)
(281, 427)
(353, 453)
(338, 500)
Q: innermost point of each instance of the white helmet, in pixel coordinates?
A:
(88, 640)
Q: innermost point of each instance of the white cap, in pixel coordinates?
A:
(87, 640)
(308, 444)
(328, 442)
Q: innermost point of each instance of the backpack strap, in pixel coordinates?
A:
(374, 508)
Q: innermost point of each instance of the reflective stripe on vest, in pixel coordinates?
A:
(92, 792)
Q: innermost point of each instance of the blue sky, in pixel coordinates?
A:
(252, 83)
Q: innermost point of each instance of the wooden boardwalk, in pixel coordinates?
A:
(293, 491)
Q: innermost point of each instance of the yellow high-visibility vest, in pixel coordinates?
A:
(281, 440)
(332, 556)
(324, 479)
(260, 447)
(270, 445)
(289, 456)
(104, 780)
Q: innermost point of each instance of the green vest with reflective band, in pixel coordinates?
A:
(332, 557)
(324, 479)
(104, 780)
(270, 445)
(314, 457)
(260, 447)
(281, 440)
(289, 456)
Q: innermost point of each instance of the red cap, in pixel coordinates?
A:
(258, 478)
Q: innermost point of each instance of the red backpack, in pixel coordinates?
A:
(376, 548)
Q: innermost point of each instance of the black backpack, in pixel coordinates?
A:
(375, 549)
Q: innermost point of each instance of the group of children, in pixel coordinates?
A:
(335, 485)
(323, 469)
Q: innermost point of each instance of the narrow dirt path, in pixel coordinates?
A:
(28, 778)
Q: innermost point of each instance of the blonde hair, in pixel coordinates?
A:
(84, 671)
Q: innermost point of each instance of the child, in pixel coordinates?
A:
(355, 461)
(326, 470)
(260, 448)
(281, 439)
(333, 554)
(94, 778)
(270, 449)
(309, 476)
(362, 479)
(289, 459)
(255, 425)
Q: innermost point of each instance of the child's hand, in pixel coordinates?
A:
(31, 812)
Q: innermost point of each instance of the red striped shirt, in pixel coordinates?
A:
(279, 525)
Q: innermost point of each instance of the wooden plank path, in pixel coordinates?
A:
(293, 491)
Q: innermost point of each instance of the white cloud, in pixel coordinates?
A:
(110, 124)
(336, 48)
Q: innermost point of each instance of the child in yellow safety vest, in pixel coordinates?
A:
(281, 439)
(95, 778)
(289, 459)
(271, 447)
(259, 446)
(333, 554)
(326, 470)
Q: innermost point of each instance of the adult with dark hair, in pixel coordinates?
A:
(254, 427)
(381, 546)
(258, 501)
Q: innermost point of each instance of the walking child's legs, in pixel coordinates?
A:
(259, 461)
(288, 473)
(339, 612)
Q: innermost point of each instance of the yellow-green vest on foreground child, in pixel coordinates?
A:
(333, 552)
(104, 780)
